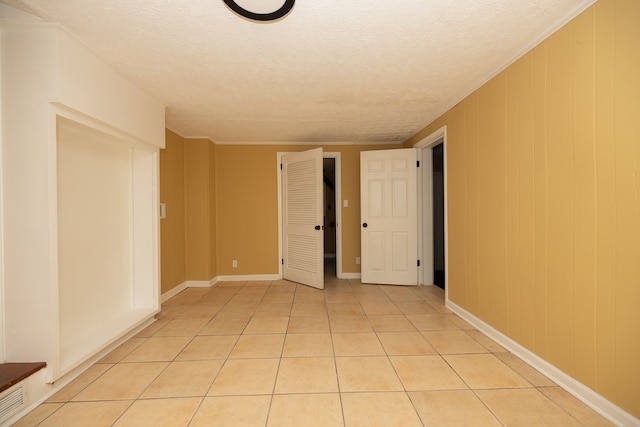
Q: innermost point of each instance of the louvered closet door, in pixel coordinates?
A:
(303, 242)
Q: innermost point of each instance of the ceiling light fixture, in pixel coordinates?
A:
(270, 16)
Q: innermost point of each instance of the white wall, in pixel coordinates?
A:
(46, 75)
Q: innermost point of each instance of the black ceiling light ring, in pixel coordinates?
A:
(271, 16)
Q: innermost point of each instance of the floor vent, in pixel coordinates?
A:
(11, 401)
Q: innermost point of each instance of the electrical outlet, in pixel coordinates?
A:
(234, 263)
(358, 260)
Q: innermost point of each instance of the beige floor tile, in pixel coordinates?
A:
(426, 373)
(242, 299)
(184, 379)
(82, 414)
(482, 371)
(158, 349)
(307, 375)
(311, 309)
(81, 382)
(527, 372)
(278, 298)
(308, 325)
(159, 413)
(207, 347)
(303, 345)
(273, 310)
(267, 325)
(452, 408)
(150, 330)
(486, 342)
(432, 322)
(258, 346)
(379, 308)
(371, 297)
(341, 297)
(453, 342)
(525, 407)
(123, 381)
(200, 311)
(237, 311)
(245, 376)
(366, 374)
(303, 297)
(379, 409)
(186, 297)
(575, 408)
(225, 326)
(35, 417)
(182, 327)
(405, 344)
(460, 322)
(391, 323)
(350, 324)
(345, 309)
(170, 312)
(415, 307)
(232, 411)
(356, 344)
(309, 410)
(399, 293)
(122, 351)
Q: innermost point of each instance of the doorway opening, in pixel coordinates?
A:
(332, 239)
(329, 193)
(438, 215)
(432, 223)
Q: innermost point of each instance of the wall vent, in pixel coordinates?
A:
(11, 401)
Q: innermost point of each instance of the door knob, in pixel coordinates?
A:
(317, 227)
(365, 225)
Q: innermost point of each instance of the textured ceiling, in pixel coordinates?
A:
(357, 71)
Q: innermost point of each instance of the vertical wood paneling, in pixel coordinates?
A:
(627, 200)
(540, 199)
(512, 181)
(560, 193)
(472, 202)
(605, 201)
(584, 225)
(526, 208)
(456, 184)
(492, 201)
(552, 200)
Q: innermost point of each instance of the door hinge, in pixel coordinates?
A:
(418, 163)
(418, 263)
(282, 261)
(280, 166)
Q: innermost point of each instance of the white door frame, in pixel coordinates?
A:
(338, 195)
(425, 207)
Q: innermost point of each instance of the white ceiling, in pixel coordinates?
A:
(357, 71)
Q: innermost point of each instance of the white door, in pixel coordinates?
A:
(389, 216)
(303, 240)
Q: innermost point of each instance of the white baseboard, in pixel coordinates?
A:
(350, 276)
(199, 283)
(604, 407)
(173, 292)
(247, 278)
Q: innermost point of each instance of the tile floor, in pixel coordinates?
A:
(281, 354)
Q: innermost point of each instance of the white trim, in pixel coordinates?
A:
(199, 283)
(604, 407)
(173, 292)
(351, 276)
(250, 277)
(430, 140)
(305, 143)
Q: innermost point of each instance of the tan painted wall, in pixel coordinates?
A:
(172, 228)
(247, 209)
(198, 215)
(543, 168)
